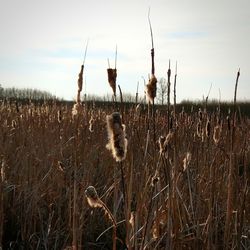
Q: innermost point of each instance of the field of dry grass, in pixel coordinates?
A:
(190, 190)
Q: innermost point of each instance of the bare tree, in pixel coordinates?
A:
(162, 90)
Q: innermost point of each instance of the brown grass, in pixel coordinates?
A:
(43, 208)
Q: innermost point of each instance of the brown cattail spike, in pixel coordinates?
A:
(59, 116)
(112, 74)
(208, 128)
(76, 109)
(151, 89)
(165, 141)
(80, 79)
(200, 115)
(117, 136)
(161, 143)
(95, 202)
(186, 160)
(155, 179)
(92, 197)
(91, 124)
(217, 133)
(199, 129)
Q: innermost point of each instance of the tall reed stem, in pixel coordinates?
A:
(231, 176)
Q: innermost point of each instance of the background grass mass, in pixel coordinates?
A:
(43, 207)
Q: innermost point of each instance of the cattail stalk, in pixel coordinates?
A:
(151, 87)
(118, 146)
(205, 109)
(136, 95)
(80, 82)
(121, 100)
(231, 176)
(175, 78)
(169, 84)
(147, 217)
(1, 201)
(74, 242)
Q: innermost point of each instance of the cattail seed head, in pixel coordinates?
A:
(80, 79)
(164, 141)
(117, 136)
(169, 138)
(155, 179)
(151, 88)
(95, 202)
(217, 133)
(199, 129)
(59, 116)
(138, 108)
(91, 124)
(2, 172)
(161, 143)
(200, 115)
(186, 160)
(61, 166)
(13, 124)
(92, 197)
(132, 219)
(76, 109)
(208, 128)
(112, 74)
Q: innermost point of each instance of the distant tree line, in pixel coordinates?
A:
(126, 97)
(25, 93)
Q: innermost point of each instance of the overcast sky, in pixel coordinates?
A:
(43, 42)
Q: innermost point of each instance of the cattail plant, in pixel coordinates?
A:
(76, 109)
(80, 80)
(168, 92)
(200, 115)
(155, 178)
(59, 116)
(112, 75)
(165, 141)
(199, 128)
(186, 160)
(231, 198)
(151, 89)
(91, 124)
(175, 78)
(118, 142)
(208, 128)
(217, 133)
(13, 124)
(95, 202)
(2, 180)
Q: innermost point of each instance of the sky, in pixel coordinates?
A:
(43, 43)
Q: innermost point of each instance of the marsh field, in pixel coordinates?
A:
(181, 183)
